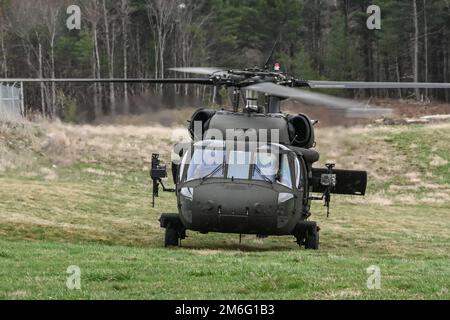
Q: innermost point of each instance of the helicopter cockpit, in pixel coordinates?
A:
(222, 160)
(220, 181)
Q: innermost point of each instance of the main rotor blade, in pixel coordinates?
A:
(353, 108)
(376, 85)
(204, 81)
(304, 96)
(200, 70)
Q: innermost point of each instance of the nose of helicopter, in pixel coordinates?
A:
(235, 208)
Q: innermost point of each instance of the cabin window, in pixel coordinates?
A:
(298, 173)
(182, 167)
(266, 166)
(285, 172)
(206, 163)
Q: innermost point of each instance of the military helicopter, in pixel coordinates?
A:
(256, 184)
(233, 177)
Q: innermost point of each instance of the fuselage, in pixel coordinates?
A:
(251, 173)
(261, 191)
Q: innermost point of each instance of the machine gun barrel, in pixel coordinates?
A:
(157, 173)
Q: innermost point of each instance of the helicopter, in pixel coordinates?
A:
(259, 185)
(233, 177)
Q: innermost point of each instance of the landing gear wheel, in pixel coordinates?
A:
(175, 230)
(312, 239)
(172, 237)
(307, 235)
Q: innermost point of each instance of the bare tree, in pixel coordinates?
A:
(93, 16)
(161, 15)
(425, 22)
(50, 12)
(188, 21)
(26, 20)
(397, 73)
(416, 48)
(125, 12)
(109, 40)
(41, 76)
(3, 30)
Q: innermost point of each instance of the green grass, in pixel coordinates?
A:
(97, 215)
(37, 270)
(421, 145)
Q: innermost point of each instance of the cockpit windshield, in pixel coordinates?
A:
(263, 164)
(206, 163)
(239, 163)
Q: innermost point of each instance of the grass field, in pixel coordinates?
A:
(80, 195)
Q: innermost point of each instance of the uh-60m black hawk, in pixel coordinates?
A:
(249, 181)
(237, 176)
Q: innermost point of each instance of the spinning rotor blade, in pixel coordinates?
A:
(304, 96)
(353, 108)
(195, 70)
(150, 81)
(368, 112)
(376, 85)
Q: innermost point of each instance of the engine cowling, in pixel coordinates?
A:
(204, 116)
(301, 131)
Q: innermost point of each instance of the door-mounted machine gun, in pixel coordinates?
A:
(157, 173)
(328, 182)
(332, 181)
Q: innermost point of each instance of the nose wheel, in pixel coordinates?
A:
(307, 234)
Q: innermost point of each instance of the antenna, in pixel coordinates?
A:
(266, 65)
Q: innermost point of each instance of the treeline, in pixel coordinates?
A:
(318, 39)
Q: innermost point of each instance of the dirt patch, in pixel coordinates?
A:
(96, 144)
(103, 173)
(343, 294)
(207, 252)
(55, 142)
(438, 162)
(19, 143)
(360, 148)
